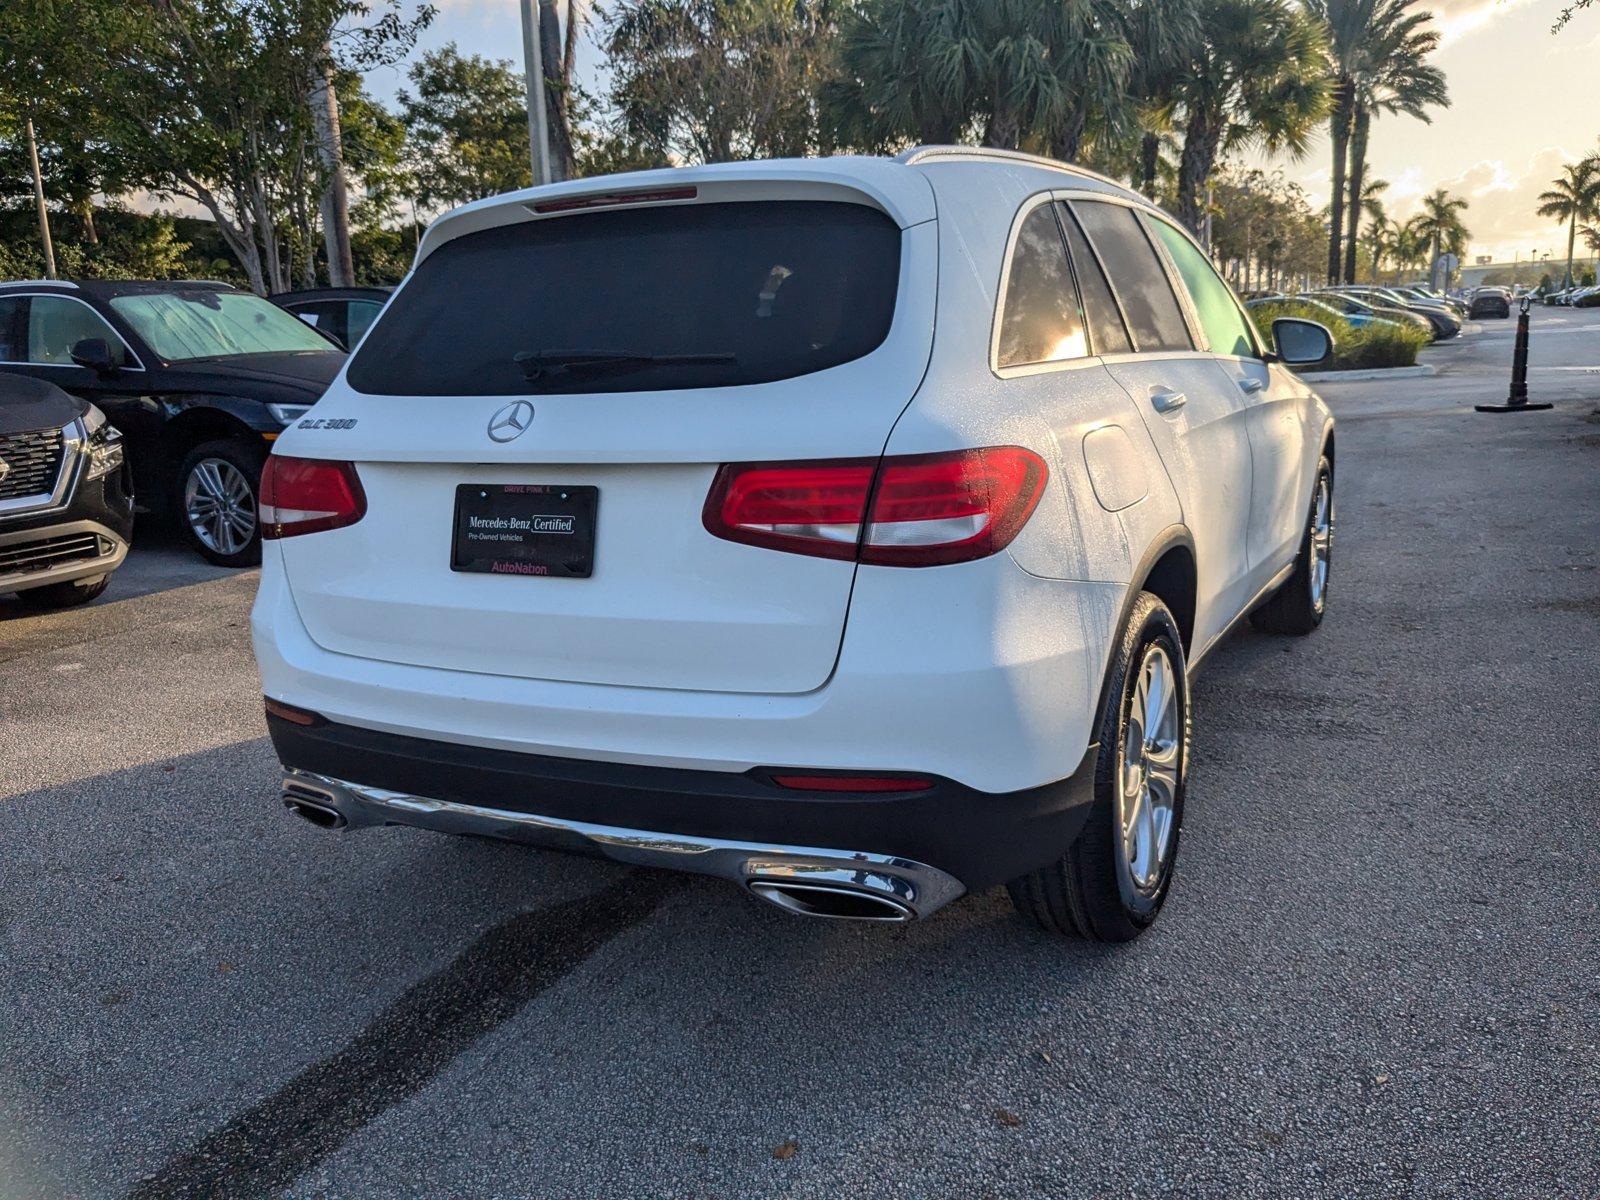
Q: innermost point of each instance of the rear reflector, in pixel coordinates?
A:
(288, 712)
(611, 199)
(308, 495)
(901, 511)
(852, 783)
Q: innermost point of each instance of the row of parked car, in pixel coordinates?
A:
(1574, 297)
(171, 392)
(1440, 316)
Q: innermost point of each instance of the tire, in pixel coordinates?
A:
(217, 494)
(65, 595)
(1109, 886)
(1298, 606)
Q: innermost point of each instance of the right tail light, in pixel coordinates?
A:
(915, 510)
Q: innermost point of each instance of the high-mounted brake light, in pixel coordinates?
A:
(917, 510)
(308, 495)
(611, 199)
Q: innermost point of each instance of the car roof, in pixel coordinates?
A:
(107, 288)
(899, 186)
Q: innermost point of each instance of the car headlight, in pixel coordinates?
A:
(105, 444)
(288, 414)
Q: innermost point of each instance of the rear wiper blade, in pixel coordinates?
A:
(547, 364)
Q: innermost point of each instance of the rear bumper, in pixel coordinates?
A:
(940, 841)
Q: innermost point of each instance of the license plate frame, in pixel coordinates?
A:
(542, 530)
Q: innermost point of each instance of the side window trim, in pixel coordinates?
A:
(1191, 315)
(1063, 201)
(137, 362)
(1175, 277)
(1024, 211)
(1179, 295)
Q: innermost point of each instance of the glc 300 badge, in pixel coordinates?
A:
(511, 422)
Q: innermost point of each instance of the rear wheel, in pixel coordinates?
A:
(1112, 881)
(65, 595)
(1298, 606)
(218, 484)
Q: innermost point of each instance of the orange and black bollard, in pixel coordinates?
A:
(1517, 401)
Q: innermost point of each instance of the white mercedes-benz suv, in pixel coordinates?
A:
(846, 528)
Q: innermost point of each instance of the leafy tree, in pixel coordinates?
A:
(1257, 75)
(717, 80)
(466, 120)
(1574, 197)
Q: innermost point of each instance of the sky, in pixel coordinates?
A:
(1522, 105)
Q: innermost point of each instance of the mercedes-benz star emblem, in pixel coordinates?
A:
(5, 468)
(511, 422)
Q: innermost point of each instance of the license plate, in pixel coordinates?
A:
(525, 529)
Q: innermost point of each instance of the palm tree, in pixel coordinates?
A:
(942, 70)
(1410, 244)
(1392, 77)
(1381, 237)
(1375, 52)
(1260, 75)
(1574, 197)
(1164, 37)
(1441, 228)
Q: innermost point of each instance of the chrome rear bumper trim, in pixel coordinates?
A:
(915, 887)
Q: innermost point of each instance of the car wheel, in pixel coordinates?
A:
(1112, 881)
(217, 501)
(65, 595)
(1299, 605)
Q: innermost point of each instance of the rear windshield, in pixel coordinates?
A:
(662, 298)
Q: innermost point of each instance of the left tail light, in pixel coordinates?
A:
(909, 510)
(309, 495)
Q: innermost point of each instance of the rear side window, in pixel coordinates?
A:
(658, 298)
(1137, 274)
(1220, 317)
(1040, 321)
(1109, 334)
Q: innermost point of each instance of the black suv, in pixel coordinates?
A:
(65, 509)
(199, 378)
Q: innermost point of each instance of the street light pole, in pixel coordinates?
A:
(533, 68)
(38, 196)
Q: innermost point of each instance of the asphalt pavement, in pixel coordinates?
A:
(1378, 974)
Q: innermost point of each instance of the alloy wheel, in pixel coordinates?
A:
(1321, 542)
(220, 505)
(1149, 761)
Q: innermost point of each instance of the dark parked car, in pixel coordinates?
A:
(199, 379)
(342, 313)
(1490, 302)
(66, 510)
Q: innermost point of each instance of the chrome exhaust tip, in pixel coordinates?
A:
(832, 903)
(323, 816)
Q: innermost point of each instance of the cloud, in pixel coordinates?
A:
(1502, 198)
(1458, 18)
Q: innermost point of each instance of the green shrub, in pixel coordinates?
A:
(1375, 345)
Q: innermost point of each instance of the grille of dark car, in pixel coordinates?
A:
(32, 459)
(48, 552)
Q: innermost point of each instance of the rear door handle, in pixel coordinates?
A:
(1251, 385)
(1165, 400)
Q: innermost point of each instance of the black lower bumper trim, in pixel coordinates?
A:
(981, 838)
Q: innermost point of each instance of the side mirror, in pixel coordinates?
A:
(1301, 343)
(95, 354)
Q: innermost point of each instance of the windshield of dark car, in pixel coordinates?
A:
(182, 326)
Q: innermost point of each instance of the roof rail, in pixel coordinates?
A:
(923, 153)
(37, 282)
